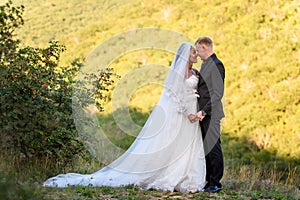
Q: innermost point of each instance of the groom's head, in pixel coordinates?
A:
(204, 47)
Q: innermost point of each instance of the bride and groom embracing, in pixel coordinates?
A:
(179, 147)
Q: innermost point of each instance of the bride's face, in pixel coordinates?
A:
(193, 55)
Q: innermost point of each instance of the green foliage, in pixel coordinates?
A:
(94, 88)
(36, 118)
(36, 96)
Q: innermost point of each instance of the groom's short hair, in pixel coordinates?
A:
(205, 40)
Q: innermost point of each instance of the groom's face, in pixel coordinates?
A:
(200, 50)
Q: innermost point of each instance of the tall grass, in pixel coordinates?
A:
(252, 179)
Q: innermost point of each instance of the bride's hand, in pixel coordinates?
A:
(192, 118)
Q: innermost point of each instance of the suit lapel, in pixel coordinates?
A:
(205, 65)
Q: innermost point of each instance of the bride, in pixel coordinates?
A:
(168, 154)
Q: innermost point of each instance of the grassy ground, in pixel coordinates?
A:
(130, 192)
(239, 182)
(135, 193)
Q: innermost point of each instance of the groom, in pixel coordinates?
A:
(210, 111)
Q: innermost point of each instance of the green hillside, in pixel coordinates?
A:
(258, 42)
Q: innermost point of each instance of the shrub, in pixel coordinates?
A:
(36, 96)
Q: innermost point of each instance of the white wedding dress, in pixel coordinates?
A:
(166, 155)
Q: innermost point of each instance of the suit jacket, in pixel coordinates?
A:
(211, 87)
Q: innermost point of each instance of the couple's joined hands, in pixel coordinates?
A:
(195, 117)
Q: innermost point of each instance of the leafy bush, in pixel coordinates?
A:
(36, 96)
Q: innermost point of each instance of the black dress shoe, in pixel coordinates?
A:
(213, 189)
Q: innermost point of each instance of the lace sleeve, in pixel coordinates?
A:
(179, 100)
(185, 102)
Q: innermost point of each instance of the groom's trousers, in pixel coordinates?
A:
(210, 128)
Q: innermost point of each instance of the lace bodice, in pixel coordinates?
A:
(192, 82)
(191, 87)
(188, 101)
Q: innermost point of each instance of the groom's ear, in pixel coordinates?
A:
(204, 46)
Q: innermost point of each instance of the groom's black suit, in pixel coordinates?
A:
(211, 90)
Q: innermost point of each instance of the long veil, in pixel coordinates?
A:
(174, 86)
(162, 141)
